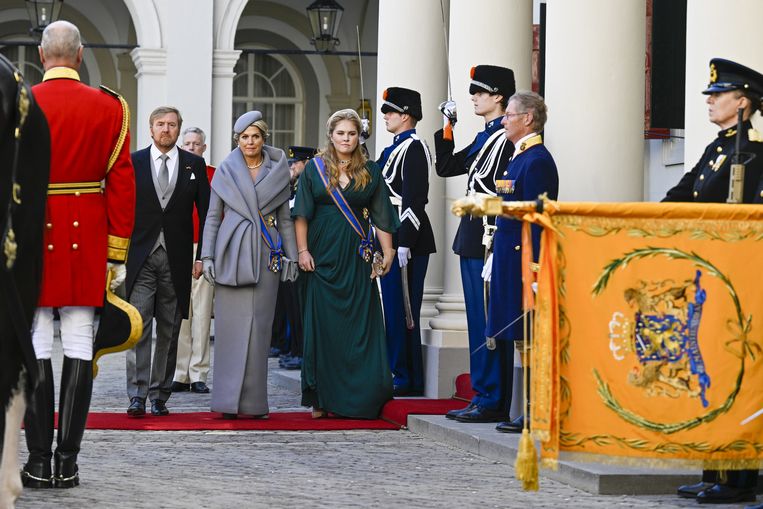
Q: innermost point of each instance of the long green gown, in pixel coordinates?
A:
(345, 369)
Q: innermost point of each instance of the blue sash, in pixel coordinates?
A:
(365, 249)
(276, 252)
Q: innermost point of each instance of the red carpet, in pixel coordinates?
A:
(193, 421)
(394, 416)
(398, 410)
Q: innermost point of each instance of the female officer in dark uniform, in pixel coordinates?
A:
(732, 86)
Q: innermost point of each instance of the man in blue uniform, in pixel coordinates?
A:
(732, 86)
(491, 86)
(531, 173)
(405, 165)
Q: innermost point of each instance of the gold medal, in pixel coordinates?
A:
(271, 220)
(366, 254)
(365, 213)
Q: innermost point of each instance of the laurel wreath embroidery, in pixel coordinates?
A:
(740, 326)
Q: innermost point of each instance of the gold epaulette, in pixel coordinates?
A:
(117, 248)
(754, 135)
(123, 130)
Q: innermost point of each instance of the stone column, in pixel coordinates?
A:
(496, 33)
(737, 40)
(151, 65)
(595, 96)
(223, 62)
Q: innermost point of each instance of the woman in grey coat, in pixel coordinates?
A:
(248, 244)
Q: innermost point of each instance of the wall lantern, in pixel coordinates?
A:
(324, 16)
(42, 13)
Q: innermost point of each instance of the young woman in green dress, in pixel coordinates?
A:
(344, 369)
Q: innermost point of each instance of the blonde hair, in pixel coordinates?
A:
(357, 167)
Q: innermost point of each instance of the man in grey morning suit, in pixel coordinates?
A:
(168, 182)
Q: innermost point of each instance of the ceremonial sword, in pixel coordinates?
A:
(409, 323)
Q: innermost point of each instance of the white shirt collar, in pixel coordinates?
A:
(172, 157)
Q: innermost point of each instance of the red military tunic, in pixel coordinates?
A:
(91, 195)
(196, 232)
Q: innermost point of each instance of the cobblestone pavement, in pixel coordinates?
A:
(142, 469)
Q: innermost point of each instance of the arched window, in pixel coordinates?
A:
(268, 83)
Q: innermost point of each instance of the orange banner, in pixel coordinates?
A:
(648, 333)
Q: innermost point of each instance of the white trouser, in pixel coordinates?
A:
(192, 364)
(76, 332)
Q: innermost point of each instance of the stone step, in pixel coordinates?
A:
(596, 478)
(287, 378)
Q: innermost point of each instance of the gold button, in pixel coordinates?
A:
(517, 248)
(75, 246)
(761, 194)
(711, 162)
(76, 193)
(49, 226)
(75, 224)
(719, 149)
(50, 247)
(695, 194)
(702, 177)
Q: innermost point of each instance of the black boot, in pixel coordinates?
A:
(38, 430)
(76, 389)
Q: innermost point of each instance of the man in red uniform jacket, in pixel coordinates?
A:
(89, 221)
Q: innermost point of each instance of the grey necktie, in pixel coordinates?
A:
(164, 173)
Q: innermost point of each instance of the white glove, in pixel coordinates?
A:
(119, 273)
(208, 269)
(403, 255)
(487, 270)
(365, 128)
(448, 109)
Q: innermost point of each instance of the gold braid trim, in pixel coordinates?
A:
(117, 248)
(136, 324)
(672, 463)
(725, 230)
(122, 132)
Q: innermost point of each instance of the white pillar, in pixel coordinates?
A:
(402, 25)
(491, 32)
(419, 25)
(222, 103)
(151, 65)
(595, 97)
(179, 73)
(737, 40)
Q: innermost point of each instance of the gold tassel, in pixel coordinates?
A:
(527, 462)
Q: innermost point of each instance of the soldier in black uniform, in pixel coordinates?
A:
(732, 86)
(288, 311)
(488, 155)
(405, 165)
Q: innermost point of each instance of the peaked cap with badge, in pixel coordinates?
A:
(402, 100)
(726, 75)
(297, 153)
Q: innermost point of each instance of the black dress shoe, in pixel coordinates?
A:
(137, 407)
(692, 490)
(229, 417)
(515, 426)
(452, 414)
(724, 494)
(159, 408)
(478, 414)
(180, 387)
(199, 388)
(756, 506)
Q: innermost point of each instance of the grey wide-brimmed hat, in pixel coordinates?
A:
(245, 120)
